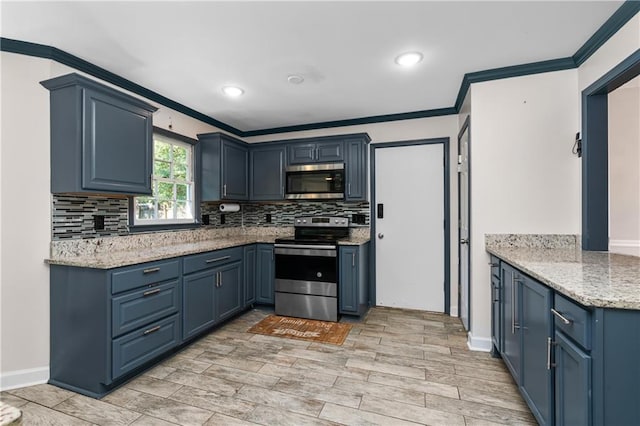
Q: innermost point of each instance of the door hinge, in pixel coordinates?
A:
(459, 159)
(459, 168)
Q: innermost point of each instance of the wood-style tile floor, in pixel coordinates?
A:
(397, 367)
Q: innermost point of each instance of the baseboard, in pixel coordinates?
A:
(480, 344)
(22, 378)
(630, 247)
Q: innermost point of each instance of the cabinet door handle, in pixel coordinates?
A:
(151, 330)
(349, 190)
(549, 343)
(493, 264)
(150, 270)
(224, 190)
(561, 317)
(219, 279)
(514, 288)
(151, 292)
(217, 259)
(353, 259)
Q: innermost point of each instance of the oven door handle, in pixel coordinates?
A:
(305, 246)
(300, 250)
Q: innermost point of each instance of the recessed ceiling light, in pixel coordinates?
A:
(232, 91)
(295, 79)
(409, 59)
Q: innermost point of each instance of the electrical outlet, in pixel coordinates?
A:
(98, 222)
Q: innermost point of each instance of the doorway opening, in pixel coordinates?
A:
(595, 152)
(464, 224)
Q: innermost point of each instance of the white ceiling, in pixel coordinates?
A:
(187, 51)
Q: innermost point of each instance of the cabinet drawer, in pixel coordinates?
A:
(211, 259)
(134, 310)
(141, 275)
(579, 327)
(134, 349)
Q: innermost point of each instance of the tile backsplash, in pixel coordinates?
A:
(73, 215)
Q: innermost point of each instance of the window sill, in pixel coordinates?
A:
(133, 229)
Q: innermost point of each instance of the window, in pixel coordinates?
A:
(172, 201)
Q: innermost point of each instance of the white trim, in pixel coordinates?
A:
(22, 378)
(630, 247)
(453, 309)
(481, 344)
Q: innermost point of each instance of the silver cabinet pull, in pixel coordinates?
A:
(349, 186)
(151, 330)
(151, 292)
(549, 342)
(353, 259)
(514, 326)
(217, 259)
(224, 190)
(150, 270)
(493, 264)
(561, 317)
(219, 279)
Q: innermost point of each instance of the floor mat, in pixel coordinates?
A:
(302, 329)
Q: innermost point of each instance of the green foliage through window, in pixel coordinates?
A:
(173, 187)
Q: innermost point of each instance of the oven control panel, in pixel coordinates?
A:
(323, 221)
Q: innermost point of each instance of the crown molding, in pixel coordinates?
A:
(620, 17)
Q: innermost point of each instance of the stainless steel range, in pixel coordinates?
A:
(306, 282)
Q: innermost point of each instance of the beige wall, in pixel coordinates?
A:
(524, 178)
(25, 214)
(624, 169)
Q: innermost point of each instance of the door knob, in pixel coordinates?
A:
(464, 241)
(380, 235)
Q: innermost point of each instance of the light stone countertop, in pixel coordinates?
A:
(115, 252)
(594, 279)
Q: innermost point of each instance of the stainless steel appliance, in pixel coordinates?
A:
(315, 181)
(306, 284)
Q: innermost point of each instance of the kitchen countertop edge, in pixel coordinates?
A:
(129, 258)
(511, 255)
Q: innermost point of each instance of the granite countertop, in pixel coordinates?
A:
(594, 279)
(114, 252)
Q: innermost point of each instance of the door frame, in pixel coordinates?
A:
(447, 233)
(466, 126)
(595, 152)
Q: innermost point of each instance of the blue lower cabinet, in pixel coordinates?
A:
(198, 311)
(229, 291)
(536, 329)
(265, 274)
(512, 351)
(249, 291)
(353, 282)
(134, 349)
(574, 365)
(572, 383)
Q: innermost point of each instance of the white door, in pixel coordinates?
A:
(410, 235)
(463, 219)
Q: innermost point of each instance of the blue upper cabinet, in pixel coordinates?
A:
(101, 139)
(314, 151)
(356, 150)
(224, 163)
(267, 172)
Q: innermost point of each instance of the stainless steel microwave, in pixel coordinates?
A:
(315, 181)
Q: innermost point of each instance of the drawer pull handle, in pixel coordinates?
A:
(151, 330)
(561, 317)
(151, 292)
(218, 259)
(150, 270)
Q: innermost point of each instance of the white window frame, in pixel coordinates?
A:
(190, 182)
